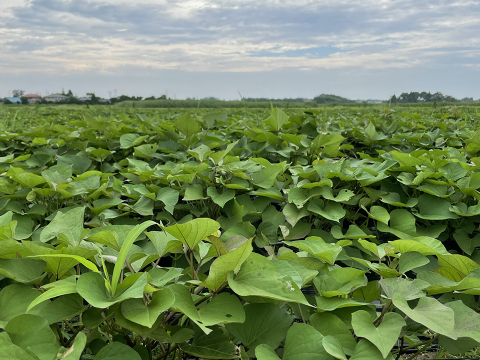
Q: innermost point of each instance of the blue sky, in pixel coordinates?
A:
(269, 48)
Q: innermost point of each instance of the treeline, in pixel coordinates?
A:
(169, 103)
(330, 98)
(420, 97)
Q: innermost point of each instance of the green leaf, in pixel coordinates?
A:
(466, 243)
(169, 197)
(144, 206)
(78, 259)
(65, 289)
(365, 350)
(66, 226)
(10, 351)
(394, 199)
(423, 245)
(331, 303)
(136, 311)
(200, 152)
(409, 289)
(329, 324)
(430, 313)
(176, 334)
(266, 177)
(303, 342)
(220, 155)
(463, 210)
(33, 334)
(370, 292)
(277, 119)
(62, 308)
(22, 270)
(293, 215)
(122, 256)
(215, 345)
(130, 140)
(220, 199)
(193, 231)
(385, 336)
(222, 309)
(402, 224)
(265, 352)
(340, 281)
(299, 273)
(164, 243)
(194, 192)
(75, 351)
(91, 286)
(411, 260)
(117, 351)
(324, 251)
(28, 180)
(264, 324)
(333, 347)
(379, 213)
(455, 267)
(187, 125)
(328, 144)
(106, 237)
(259, 277)
(433, 208)
(231, 261)
(14, 301)
(467, 321)
(184, 304)
(272, 193)
(331, 211)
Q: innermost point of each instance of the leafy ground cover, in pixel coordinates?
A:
(333, 233)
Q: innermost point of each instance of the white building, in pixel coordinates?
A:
(55, 97)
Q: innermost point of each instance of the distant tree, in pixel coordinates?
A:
(24, 100)
(438, 96)
(163, 97)
(94, 99)
(329, 98)
(150, 98)
(393, 99)
(7, 102)
(69, 93)
(18, 93)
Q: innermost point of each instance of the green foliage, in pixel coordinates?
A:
(269, 234)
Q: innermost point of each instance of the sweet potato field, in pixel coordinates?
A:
(331, 233)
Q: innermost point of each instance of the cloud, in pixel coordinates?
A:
(109, 36)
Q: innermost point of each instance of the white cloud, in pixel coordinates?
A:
(106, 36)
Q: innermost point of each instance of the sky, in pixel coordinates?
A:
(360, 49)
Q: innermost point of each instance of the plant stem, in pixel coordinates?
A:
(69, 342)
(427, 344)
(384, 311)
(60, 335)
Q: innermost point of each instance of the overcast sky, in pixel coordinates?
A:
(261, 48)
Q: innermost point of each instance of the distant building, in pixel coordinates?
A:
(55, 97)
(84, 98)
(15, 100)
(33, 98)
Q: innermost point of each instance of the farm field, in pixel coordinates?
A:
(323, 233)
